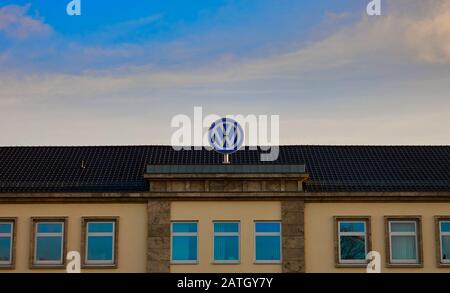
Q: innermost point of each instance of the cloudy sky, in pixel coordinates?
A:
(119, 73)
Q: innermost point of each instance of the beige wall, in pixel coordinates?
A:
(132, 240)
(319, 232)
(207, 212)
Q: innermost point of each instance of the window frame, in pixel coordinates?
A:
(255, 234)
(418, 262)
(34, 264)
(172, 234)
(11, 264)
(441, 262)
(238, 234)
(337, 244)
(85, 263)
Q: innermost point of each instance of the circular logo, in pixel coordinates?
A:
(226, 136)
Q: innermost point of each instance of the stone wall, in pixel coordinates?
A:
(158, 244)
(293, 237)
(226, 185)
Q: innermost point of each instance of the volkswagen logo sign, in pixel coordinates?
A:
(226, 136)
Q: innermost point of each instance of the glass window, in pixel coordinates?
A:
(444, 228)
(226, 242)
(403, 241)
(6, 242)
(100, 242)
(49, 242)
(268, 242)
(184, 242)
(352, 241)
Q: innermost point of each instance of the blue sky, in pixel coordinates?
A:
(123, 69)
(178, 17)
(239, 28)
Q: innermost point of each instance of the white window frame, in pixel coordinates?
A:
(364, 234)
(238, 234)
(100, 234)
(11, 242)
(442, 233)
(391, 234)
(187, 234)
(260, 261)
(51, 234)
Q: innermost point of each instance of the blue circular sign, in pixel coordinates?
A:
(226, 136)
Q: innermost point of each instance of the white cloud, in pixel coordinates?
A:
(15, 23)
(430, 36)
(379, 81)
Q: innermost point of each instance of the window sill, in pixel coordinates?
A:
(404, 265)
(47, 267)
(267, 262)
(7, 267)
(351, 265)
(99, 266)
(444, 265)
(226, 262)
(184, 262)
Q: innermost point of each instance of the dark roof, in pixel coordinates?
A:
(121, 168)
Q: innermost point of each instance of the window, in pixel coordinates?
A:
(100, 236)
(352, 240)
(226, 242)
(7, 231)
(267, 242)
(184, 242)
(444, 239)
(404, 240)
(49, 242)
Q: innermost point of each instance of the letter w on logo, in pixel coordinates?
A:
(225, 135)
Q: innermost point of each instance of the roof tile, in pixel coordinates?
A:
(121, 168)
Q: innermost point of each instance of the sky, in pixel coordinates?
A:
(117, 74)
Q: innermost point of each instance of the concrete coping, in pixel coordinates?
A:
(226, 169)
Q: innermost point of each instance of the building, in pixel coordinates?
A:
(153, 209)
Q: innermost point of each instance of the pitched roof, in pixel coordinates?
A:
(121, 168)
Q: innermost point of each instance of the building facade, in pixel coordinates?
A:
(154, 209)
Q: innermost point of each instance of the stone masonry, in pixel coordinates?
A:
(292, 216)
(158, 243)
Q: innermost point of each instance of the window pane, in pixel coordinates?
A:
(100, 248)
(268, 248)
(445, 247)
(353, 248)
(226, 227)
(351, 226)
(48, 248)
(5, 248)
(99, 227)
(226, 248)
(404, 247)
(268, 227)
(403, 227)
(184, 227)
(49, 227)
(445, 226)
(5, 228)
(184, 248)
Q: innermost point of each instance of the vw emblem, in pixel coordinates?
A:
(226, 136)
